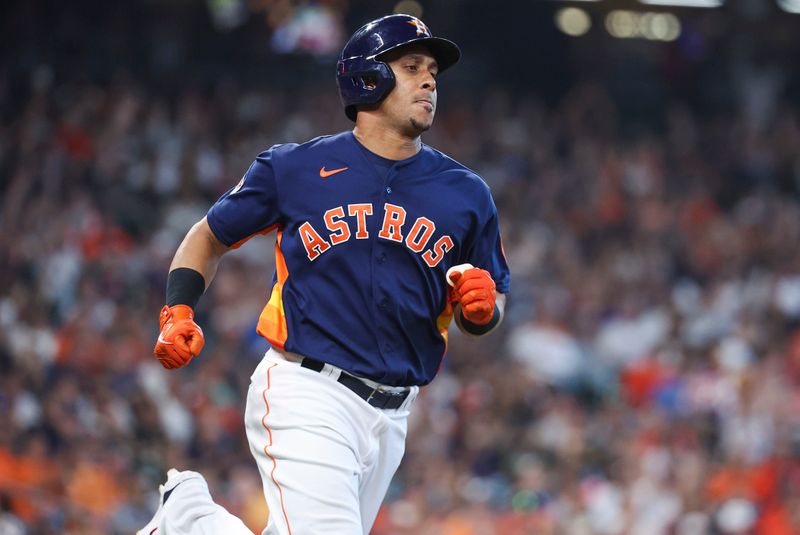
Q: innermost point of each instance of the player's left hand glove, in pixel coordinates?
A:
(475, 290)
(180, 339)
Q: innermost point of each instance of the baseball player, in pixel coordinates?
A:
(377, 236)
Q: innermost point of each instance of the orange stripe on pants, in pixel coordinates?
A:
(266, 452)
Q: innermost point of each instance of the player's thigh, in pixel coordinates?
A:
(309, 471)
(309, 483)
(378, 475)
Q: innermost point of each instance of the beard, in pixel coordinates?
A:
(420, 127)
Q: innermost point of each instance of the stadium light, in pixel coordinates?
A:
(409, 7)
(573, 21)
(626, 24)
(684, 3)
(790, 6)
(689, 3)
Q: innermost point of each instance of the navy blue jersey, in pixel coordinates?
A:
(362, 250)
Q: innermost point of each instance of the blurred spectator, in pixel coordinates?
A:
(646, 381)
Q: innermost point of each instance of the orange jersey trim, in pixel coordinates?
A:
(443, 321)
(443, 324)
(272, 321)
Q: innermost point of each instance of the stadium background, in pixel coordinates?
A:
(646, 378)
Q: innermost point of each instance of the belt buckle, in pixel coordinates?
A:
(372, 394)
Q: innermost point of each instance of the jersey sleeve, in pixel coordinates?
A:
(249, 208)
(487, 251)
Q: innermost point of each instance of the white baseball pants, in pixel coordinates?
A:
(326, 457)
(190, 510)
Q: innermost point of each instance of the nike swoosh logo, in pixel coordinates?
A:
(325, 173)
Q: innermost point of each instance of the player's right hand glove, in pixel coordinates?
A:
(475, 290)
(180, 339)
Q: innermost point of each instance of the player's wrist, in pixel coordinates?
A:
(180, 312)
(478, 329)
(185, 286)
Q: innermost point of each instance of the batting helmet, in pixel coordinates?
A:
(363, 78)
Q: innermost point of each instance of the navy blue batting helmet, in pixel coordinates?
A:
(363, 78)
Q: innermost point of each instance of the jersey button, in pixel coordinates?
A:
(382, 258)
(388, 190)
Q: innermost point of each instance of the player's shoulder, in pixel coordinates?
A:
(326, 142)
(451, 167)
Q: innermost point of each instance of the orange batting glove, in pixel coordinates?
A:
(180, 339)
(476, 291)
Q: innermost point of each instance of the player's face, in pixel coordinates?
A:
(411, 104)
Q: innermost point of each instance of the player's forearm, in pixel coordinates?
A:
(200, 251)
(190, 273)
(471, 329)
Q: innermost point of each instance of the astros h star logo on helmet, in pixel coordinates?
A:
(421, 28)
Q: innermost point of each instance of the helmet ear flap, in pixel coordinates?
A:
(368, 83)
(363, 82)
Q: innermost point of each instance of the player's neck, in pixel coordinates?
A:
(386, 142)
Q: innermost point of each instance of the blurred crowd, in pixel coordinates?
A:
(646, 380)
